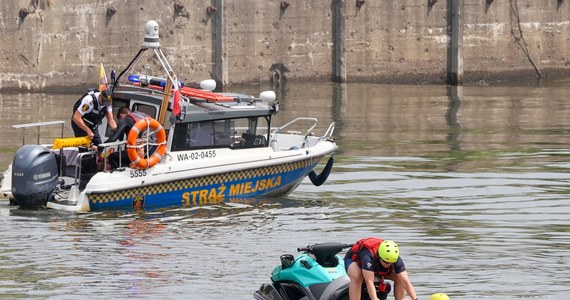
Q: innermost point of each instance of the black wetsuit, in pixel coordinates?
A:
(123, 128)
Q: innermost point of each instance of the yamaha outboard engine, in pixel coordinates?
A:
(34, 176)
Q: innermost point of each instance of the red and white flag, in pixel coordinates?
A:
(176, 98)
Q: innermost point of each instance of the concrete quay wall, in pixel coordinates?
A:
(56, 44)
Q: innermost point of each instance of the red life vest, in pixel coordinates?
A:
(371, 244)
(137, 115)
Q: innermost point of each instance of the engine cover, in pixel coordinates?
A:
(34, 176)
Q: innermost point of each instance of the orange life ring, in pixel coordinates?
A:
(138, 159)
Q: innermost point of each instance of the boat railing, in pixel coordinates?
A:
(117, 146)
(86, 164)
(39, 125)
(295, 139)
(280, 129)
(82, 173)
(328, 134)
(120, 146)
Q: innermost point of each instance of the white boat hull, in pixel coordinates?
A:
(179, 182)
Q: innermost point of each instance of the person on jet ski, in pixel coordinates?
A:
(370, 257)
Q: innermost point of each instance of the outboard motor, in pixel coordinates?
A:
(34, 176)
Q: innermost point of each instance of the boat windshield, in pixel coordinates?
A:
(235, 133)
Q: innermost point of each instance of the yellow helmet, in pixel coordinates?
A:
(389, 251)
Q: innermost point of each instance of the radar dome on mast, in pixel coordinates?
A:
(151, 35)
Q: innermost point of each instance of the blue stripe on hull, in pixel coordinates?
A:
(207, 190)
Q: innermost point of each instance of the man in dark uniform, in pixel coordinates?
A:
(88, 113)
(127, 120)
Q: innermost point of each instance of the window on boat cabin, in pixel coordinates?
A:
(147, 109)
(150, 110)
(104, 130)
(227, 133)
(251, 132)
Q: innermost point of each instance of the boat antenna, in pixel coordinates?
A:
(137, 57)
(151, 41)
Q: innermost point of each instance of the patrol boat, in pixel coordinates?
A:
(198, 147)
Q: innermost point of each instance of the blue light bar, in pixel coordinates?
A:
(152, 80)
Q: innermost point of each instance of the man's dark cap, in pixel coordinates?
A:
(107, 96)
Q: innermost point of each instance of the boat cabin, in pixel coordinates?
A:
(237, 122)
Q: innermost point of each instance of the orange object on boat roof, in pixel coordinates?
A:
(198, 93)
(193, 92)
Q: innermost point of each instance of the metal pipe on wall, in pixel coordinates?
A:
(455, 76)
(338, 29)
(219, 53)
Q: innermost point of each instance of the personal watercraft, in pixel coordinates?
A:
(317, 274)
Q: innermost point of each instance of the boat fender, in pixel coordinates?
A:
(318, 179)
(138, 160)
